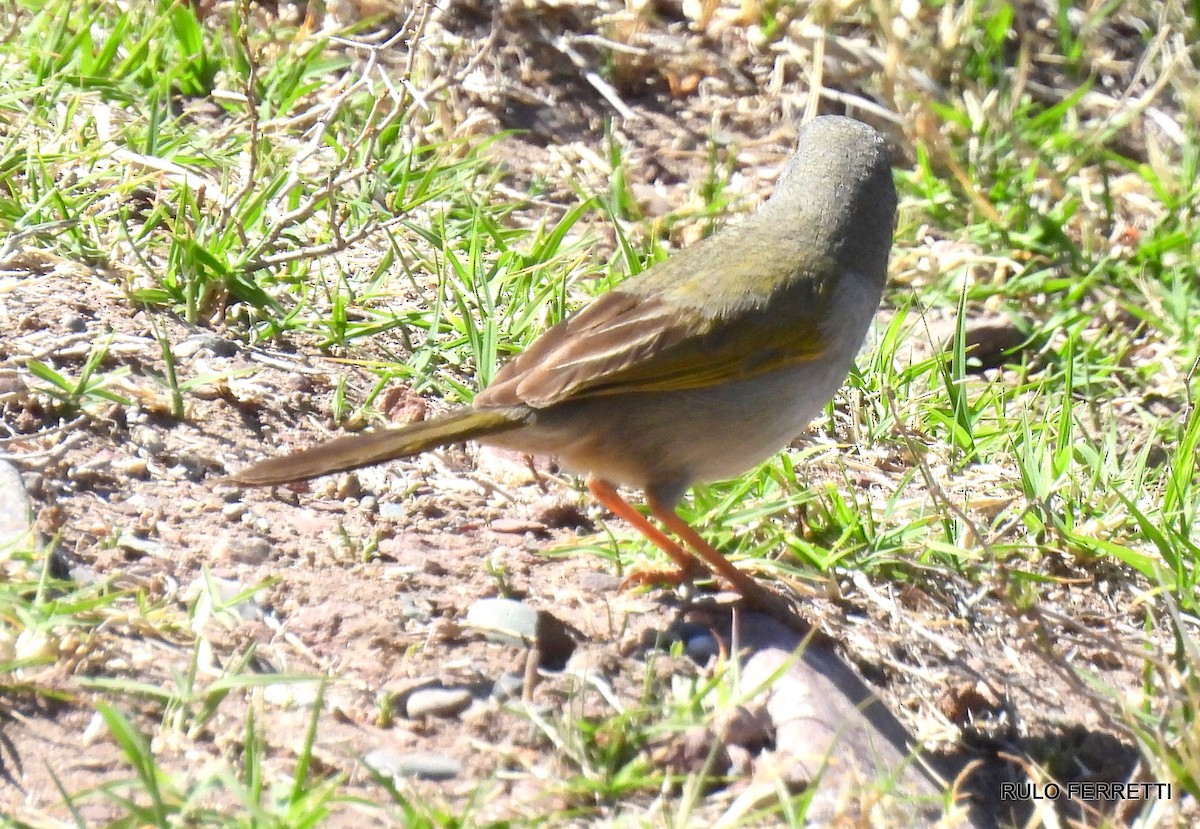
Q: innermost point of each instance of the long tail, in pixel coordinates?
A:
(354, 451)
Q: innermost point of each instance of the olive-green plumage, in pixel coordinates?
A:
(702, 365)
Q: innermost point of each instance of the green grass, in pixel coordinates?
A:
(229, 174)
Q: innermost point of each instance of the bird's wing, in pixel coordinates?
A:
(624, 342)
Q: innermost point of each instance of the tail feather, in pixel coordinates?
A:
(354, 451)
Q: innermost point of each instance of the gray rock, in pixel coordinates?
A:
(16, 513)
(510, 622)
(508, 685)
(702, 647)
(214, 345)
(74, 323)
(830, 729)
(234, 511)
(241, 549)
(393, 511)
(437, 702)
(423, 765)
(409, 609)
(128, 540)
(597, 582)
(504, 620)
(213, 593)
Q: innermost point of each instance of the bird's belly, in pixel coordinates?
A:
(665, 441)
(748, 422)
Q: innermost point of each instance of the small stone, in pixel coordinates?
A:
(423, 765)
(437, 702)
(504, 620)
(36, 485)
(990, 340)
(409, 609)
(970, 701)
(689, 751)
(234, 512)
(241, 549)
(12, 385)
(16, 513)
(510, 622)
(228, 493)
(517, 526)
(564, 516)
(597, 582)
(290, 694)
(402, 405)
(555, 644)
(508, 685)
(213, 594)
(133, 543)
(699, 643)
(702, 648)
(214, 345)
(74, 323)
(299, 383)
(134, 467)
(393, 511)
(149, 440)
(348, 486)
(748, 726)
(507, 466)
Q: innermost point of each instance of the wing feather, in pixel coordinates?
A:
(624, 342)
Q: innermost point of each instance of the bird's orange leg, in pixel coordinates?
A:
(744, 584)
(688, 566)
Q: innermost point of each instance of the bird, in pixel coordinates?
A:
(694, 370)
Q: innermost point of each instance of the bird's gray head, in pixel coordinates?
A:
(837, 191)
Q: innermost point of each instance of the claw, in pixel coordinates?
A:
(661, 578)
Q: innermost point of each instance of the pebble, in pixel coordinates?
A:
(409, 609)
(517, 526)
(423, 765)
(393, 510)
(290, 694)
(748, 726)
(134, 467)
(597, 582)
(74, 323)
(15, 510)
(12, 384)
(507, 621)
(214, 345)
(508, 685)
(234, 511)
(128, 540)
(564, 516)
(437, 702)
(241, 549)
(214, 592)
(348, 486)
(702, 647)
(555, 643)
(510, 622)
(36, 485)
(149, 440)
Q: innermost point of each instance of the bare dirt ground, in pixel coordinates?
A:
(366, 577)
(377, 601)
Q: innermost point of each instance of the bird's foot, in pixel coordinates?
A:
(662, 577)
